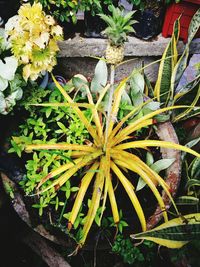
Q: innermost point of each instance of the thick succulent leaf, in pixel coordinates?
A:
(187, 88)
(187, 200)
(174, 233)
(80, 82)
(194, 26)
(100, 77)
(137, 82)
(161, 165)
(195, 169)
(2, 104)
(190, 109)
(179, 69)
(162, 87)
(190, 144)
(182, 62)
(190, 73)
(192, 183)
(158, 166)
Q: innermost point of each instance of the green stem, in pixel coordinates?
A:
(62, 212)
(110, 101)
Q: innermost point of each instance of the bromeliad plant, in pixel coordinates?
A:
(108, 154)
(105, 157)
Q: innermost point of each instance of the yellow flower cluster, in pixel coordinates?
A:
(33, 36)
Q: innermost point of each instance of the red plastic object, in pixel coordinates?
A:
(187, 9)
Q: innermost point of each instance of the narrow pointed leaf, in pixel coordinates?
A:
(80, 114)
(133, 167)
(60, 146)
(130, 191)
(85, 182)
(95, 202)
(155, 143)
(174, 233)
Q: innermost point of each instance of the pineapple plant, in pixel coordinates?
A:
(119, 25)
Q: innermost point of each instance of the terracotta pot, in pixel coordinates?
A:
(186, 9)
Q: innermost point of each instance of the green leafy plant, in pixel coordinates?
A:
(95, 6)
(142, 4)
(62, 11)
(139, 255)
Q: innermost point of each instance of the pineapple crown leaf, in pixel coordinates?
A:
(108, 19)
(119, 25)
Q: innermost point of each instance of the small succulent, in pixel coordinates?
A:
(119, 25)
(33, 37)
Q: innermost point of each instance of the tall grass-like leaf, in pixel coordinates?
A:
(135, 168)
(131, 128)
(113, 202)
(182, 62)
(69, 173)
(130, 191)
(163, 90)
(60, 146)
(81, 193)
(95, 202)
(155, 178)
(154, 143)
(80, 114)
